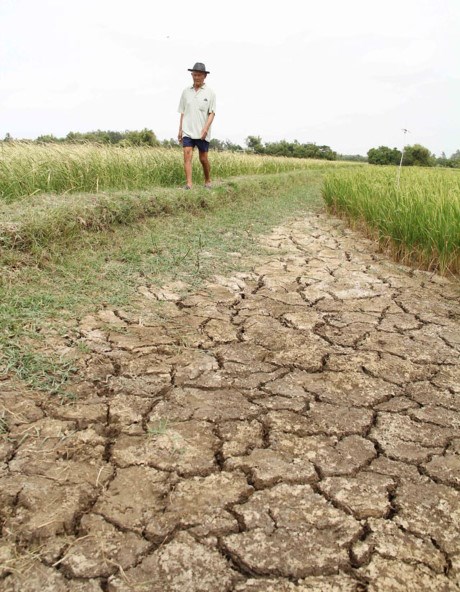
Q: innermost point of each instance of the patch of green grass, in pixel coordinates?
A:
(36, 370)
(160, 429)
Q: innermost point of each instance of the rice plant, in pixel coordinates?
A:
(27, 169)
(419, 221)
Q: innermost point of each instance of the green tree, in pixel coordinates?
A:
(281, 148)
(255, 143)
(224, 145)
(216, 144)
(443, 161)
(417, 155)
(228, 145)
(171, 143)
(145, 137)
(455, 159)
(327, 153)
(47, 139)
(75, 137)
(384, 155)
(114, 137)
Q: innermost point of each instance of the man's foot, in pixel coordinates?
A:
(186, 188)
(208, 186)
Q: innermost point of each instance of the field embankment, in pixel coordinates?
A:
(417, 222)
(52, 220)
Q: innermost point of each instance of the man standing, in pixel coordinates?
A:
(197, 108)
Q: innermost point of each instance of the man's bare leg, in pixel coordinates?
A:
(206, 167)
(188, 153)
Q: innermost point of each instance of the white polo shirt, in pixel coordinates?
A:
(196, 107)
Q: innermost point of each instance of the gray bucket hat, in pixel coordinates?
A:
(199, 67)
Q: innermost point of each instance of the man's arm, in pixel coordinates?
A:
(207, 125)
(180, 134)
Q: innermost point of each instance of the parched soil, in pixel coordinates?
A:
(290, 429)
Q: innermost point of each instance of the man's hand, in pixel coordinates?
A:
(204, 133)
(180, 136)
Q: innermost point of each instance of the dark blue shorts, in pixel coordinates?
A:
(202, 145)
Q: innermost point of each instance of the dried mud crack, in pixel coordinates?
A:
(293, 428)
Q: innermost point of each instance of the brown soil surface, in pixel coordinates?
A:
(290, 429)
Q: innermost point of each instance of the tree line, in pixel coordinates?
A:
(415, 155)
(147, 137)
(292, 149)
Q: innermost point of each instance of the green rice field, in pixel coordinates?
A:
(419, 221)
(28, 169)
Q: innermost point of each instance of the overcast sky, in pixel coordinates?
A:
(349, 74)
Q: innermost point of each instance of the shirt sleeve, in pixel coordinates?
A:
(181, 108)
(212, 104)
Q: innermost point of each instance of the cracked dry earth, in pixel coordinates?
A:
(290, 429)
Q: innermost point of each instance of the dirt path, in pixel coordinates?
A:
(291, 429)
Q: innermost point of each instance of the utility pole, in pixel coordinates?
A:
(402, 156)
